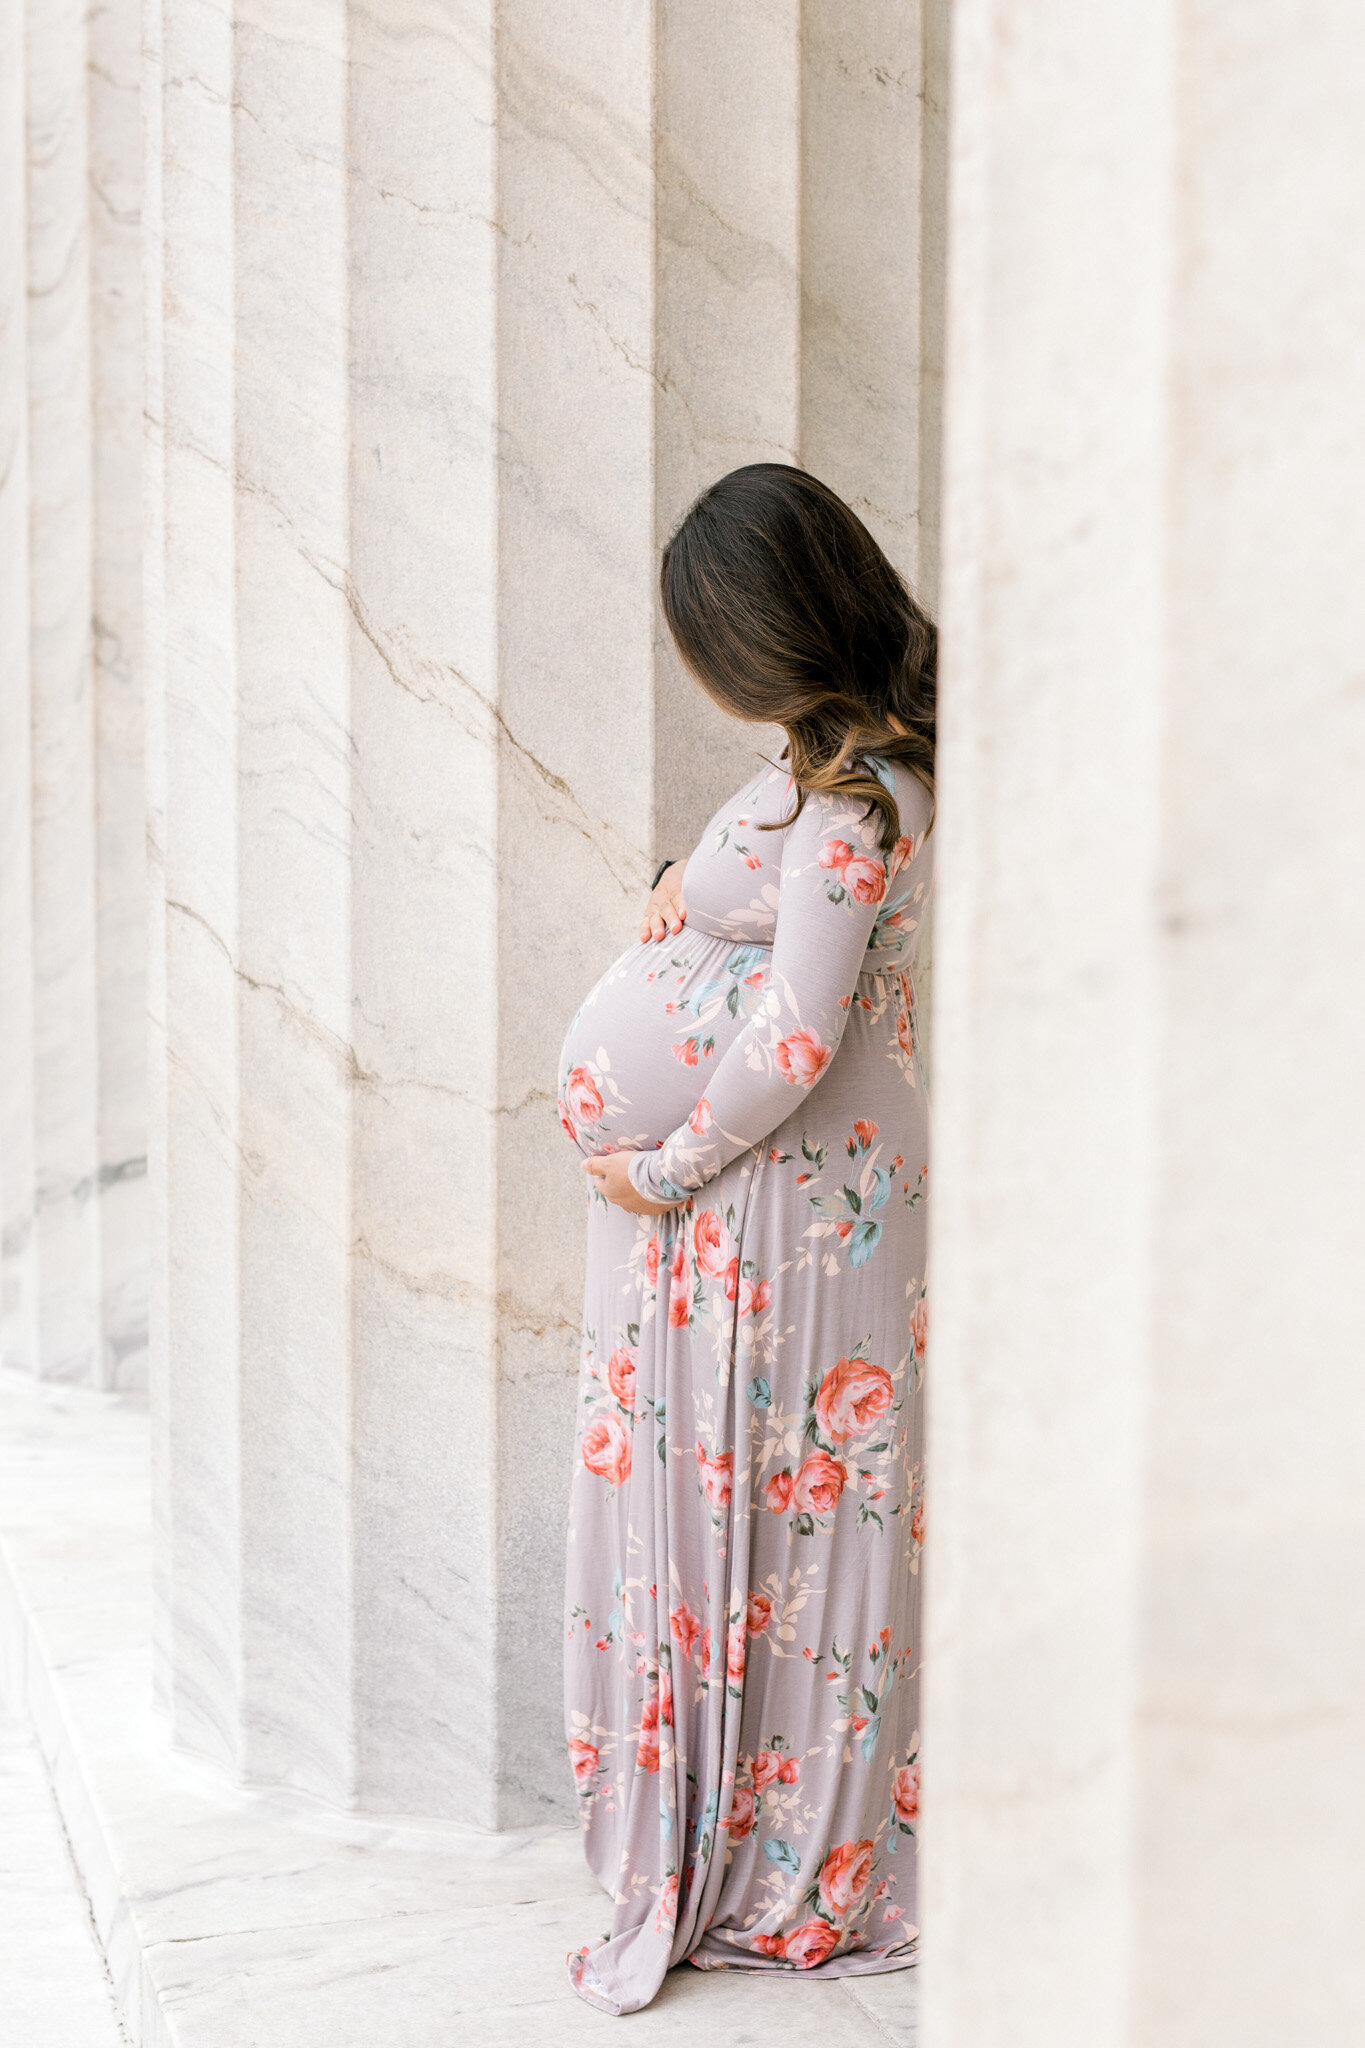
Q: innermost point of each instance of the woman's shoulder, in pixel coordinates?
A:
(768, 793)
(913, 800)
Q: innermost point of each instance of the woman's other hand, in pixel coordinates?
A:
(664, 911)
(611, 1171)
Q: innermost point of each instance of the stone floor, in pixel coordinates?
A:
(242, 1920)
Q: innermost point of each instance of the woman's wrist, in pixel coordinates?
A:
(650, 1183)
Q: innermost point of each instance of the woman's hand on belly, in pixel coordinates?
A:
(664, 911)
(611, 1171)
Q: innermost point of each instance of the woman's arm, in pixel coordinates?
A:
(833, 877)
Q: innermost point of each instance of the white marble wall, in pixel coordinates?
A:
(444, 331)
(72, 1128)
(1145, 1808)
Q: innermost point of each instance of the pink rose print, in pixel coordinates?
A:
(789, 1770)
(778, 1492)
(754, 1297)
(583, 1757)
(864, 877)
(866, 1131)
(735, 1650)
(652, 1253)
(685, 1628)
(658, 1711)
(900, 853)
(621, 1375)
(584, 1097)
(810, 1944)
(919, 1329)
(680, 1295)
(844, 1874)
(700, 1119)
(854, 1396)
(767, 1769)
(802, 1057)
(862, 874)
(715, 1476)
(905, 1792)
(606, 1449)
(760, 1613)
(768, 1944)
(706, 1649)
(818, 1484)
(917, 1521)
(566, 1120)
(712, 1240)
(741, 1819)
(666, 1913)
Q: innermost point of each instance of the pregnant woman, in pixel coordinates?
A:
(747, 1508)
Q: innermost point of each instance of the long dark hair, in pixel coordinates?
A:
(785, 610)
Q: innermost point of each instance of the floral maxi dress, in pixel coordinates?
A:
(743, 1640)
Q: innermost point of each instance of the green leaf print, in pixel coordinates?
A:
(862, 1242)
(760, 1394)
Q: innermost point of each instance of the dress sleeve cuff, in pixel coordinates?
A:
(647, 1179)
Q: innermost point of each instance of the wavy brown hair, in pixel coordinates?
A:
(785, 610)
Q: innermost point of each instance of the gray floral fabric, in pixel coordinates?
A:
(743, 1642)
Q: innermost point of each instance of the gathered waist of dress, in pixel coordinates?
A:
(881, 965)
(878, 962)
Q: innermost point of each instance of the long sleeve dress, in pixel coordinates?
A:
(746, 1517)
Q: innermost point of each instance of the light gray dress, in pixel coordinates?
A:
(743, 1644)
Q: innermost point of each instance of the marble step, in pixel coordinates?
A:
(56, 1989)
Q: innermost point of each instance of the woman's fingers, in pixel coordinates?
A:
(664, 912)
(611, 1172)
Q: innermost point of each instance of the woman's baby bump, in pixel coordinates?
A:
(638, 1053)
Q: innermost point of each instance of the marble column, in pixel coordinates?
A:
(18, 1245)
(72, 1144)
(114, 171)
(1145, 1809)
(445, 327)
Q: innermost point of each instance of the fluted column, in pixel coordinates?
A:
(61, 682)
(1145, 1803)
(448, 328)
(72, 1143)
(114, 170)
(18, 1241)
